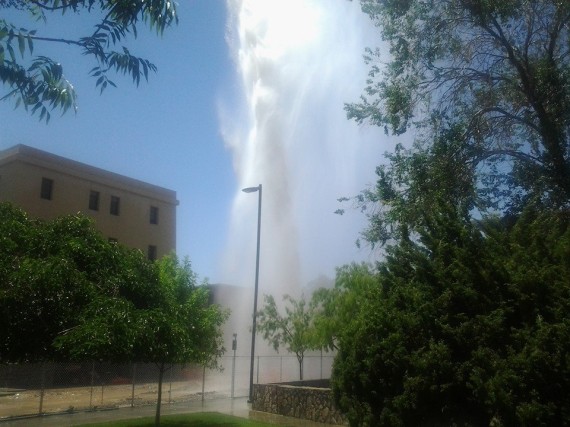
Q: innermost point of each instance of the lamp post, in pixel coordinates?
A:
(253, 190)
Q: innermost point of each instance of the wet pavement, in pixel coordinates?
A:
(236, 407)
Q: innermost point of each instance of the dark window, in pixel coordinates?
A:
(112, 240)
(94, 200)
(151, 252)
(115, 205)
(153, 215)
(47, 188)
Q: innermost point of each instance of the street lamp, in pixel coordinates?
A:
(253, 190)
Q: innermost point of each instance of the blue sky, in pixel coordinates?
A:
(165, 131)
(197, 128)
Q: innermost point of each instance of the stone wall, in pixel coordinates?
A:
(310, 403)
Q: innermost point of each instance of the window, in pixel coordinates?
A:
(47, 189)
(153, 215)
(151, 252)
(115, 205)
(94, 200)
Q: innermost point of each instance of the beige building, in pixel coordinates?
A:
(131, 212)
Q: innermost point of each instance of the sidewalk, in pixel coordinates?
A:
(237, 407)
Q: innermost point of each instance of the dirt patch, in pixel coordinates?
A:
(27, 402)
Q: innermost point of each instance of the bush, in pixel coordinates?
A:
(467, 326)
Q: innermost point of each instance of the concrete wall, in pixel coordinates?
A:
(310, 403)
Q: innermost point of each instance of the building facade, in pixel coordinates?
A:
(125, 210)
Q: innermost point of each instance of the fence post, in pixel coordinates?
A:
(102, 387)
(234, 348)
(203, 382)
(170, 386)
(42, 391)
(133, 380)
(92, 382)
(257, 370)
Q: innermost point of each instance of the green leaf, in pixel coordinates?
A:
(121, 18)
(21, 44)
(36, 107)
(11, 52)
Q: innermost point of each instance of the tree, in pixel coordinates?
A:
(498, 69)
(416, 183)
(333, 309)
(177, 325)
(466, 326)
(294, 330)
(38, 82)
(465, 323)
(186, 328)
(67, 293)
(50, 272)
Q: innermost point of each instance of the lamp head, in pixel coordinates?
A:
(251, 189)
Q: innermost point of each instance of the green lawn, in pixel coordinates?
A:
(201, 419)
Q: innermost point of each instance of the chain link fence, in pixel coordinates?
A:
(28, 389)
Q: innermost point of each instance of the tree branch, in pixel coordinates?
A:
(50, 39)
(51, 8)
(507, 114)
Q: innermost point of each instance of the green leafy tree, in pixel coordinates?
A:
(49, 273)
(500, 69)
(187, 328)
(294, 330)
(464, 323)
(333, 309)
(177, 325)
(416, 182)
(66, 292)
(38, 83)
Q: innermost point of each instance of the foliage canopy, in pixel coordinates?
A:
(498, 70)
(50, 272)
(37, 82)
(68, 293)
(467, 326)
(175, 325)
(464, 322)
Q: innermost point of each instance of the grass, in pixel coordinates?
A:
(200, 419)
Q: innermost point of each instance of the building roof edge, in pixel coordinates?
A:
(72, 167)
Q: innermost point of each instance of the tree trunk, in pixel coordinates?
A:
(300, 359)
(159, 401)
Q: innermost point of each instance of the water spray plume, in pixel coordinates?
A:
(298, 62)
